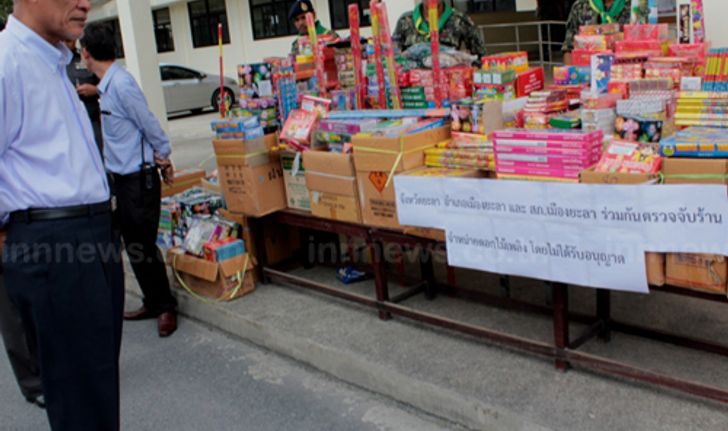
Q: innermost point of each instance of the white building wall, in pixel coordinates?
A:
(715, 15)
(242, 47)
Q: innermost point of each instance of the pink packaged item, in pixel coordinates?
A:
(542, 172)
(645, 31)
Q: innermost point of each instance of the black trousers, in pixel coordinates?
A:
(137, 217)
(21, 344)
(66, 279)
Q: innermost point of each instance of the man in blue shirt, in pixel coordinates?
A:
(61, 258)
(135, 147)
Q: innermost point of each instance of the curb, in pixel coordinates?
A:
(352, 369)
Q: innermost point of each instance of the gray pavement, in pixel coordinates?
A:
(200, 379)
(191, 139)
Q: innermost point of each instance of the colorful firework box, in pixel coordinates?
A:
(638, 129)
(646, 32)
(629, 158)
(601, 68)
(696, 142)
(600, 29)
(503, 62)
(571, 75)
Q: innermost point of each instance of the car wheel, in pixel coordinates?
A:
(229, 94)
(197, 111)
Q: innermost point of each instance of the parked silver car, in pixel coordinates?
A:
(187, 89)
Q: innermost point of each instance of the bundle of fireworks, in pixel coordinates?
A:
(284, 80)
(582, 57)
(601, 69)
(600, 29)
(646, 32)
(476, 117)
(716, 70)
(208, 234)
(257, 92)
(696, 53)
(638, 128)
(701, 108)
(345, 67)
(597, 42)
(455, 158)
(298, 129)
(336, 134)
(690, 21)
(569, 120)
(696, 142)
(651, 48)
(343, 100)
(598, 119)
(242, 128)
(548, 155)
(625, 72)
(542, 105)
(665, 67)
(506, 61)
(177, 212)
(629, 158)
(572, 75)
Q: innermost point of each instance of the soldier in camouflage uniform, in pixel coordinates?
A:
(456, 30)
(584, 12)
(297, 16)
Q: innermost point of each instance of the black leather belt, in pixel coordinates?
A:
(48, 214)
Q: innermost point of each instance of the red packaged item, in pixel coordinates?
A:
(529, 81)
(582, 57)
(210, 248)
(621, 88)
(591, 43)
(596, 29)
(645, 32)
(629, 158)
(298, 129)
(653, 48)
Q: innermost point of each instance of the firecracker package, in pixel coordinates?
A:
(601, 68)
(572, 75)
(298, 129)
(696, 142)
(629, 158)
(514, 61)
(638, 129)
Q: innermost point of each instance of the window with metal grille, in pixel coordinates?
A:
(163, 30)
(205, 15)
(339, 10)
(270, 19)
(480, 6)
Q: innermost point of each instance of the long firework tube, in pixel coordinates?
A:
(318, 56)
(386, 38)
(223, 102)
(355, 23)
(378, 55)
(435, 42)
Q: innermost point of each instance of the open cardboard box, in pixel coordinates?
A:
(655, 262)
(223, 281)
(183, 180)
(331, 181)
(296, 191)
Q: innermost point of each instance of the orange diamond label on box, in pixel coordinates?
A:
(379, 180)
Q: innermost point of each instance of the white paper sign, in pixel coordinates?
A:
(591, 235)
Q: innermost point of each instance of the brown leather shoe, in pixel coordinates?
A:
(167, 324)
(141, 314)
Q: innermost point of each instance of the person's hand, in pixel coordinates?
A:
(167, 168)
(86, 90)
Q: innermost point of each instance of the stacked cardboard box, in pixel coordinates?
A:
(295, 181)
(251, 178)
(705, 272)
(377, 159)
(331, 182)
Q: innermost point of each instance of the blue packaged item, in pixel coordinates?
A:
(349, 275)
(255, 133)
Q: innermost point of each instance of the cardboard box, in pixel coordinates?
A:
(271, 141)
(296, 190)
(655, 262)
(281, 242)
(223, 281)
(681, 171)
(376, 158)
(589, 176)
(433, 234)
(242, 153)
(183, 180)
(378, 153)
(251, 179)
(331, 180)
(704, 272)
(211, 187)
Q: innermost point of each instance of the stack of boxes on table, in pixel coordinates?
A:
(343, 164)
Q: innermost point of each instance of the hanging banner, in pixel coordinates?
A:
(582, 234)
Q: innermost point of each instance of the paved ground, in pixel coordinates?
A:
(201, 380)
(192, 141)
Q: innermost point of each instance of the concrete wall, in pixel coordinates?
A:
(242, 47)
